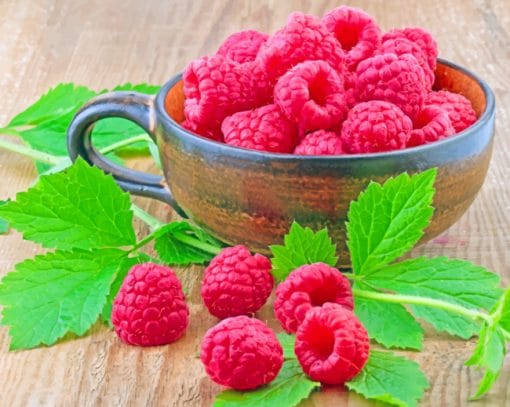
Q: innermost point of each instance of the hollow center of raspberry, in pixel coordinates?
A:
(318, 89)
(322, 295)
(347, 37)
(321, 340)
(422, 119)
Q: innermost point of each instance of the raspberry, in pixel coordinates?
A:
(320, 142)
(264, 128)
(308, 286)
(303, 38)
(357, 32)
(430, 125)
(216, 87)
(350, 80)
(202, 131)
(332, 345)
(241, 353)
(150, 307)
(401, 46)
(312, 95)
(242, 46)
(419, 36)
(375, 126)
(458, 107)
(236, 283)
(396, 79)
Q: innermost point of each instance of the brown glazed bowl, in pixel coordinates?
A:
(250, 197)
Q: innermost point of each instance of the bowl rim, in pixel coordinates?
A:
(228, 150)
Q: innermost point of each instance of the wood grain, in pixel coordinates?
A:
(103, 43)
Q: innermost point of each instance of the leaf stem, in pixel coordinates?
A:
(29, 152)
(145, 217)
(191, 241)
(125, 142)
(429, 302)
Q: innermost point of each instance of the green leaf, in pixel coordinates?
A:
(173, 247)
(4, 225)
(488, 356)
(389, 324)
(504, 311)
(121, 270)
(55, 293)
(455, 281)
(287, 390)
(287, 341)
(386, 221)
(390, 378)
(80, 207)
(302, 246)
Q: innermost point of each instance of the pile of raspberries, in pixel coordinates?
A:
(330, 86)
(241, 352)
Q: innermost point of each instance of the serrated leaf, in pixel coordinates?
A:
(287, 390)
(173, 248)
(4, 225)
(302, 246)
(455, 281)
(80, 207)
(55, 293)
(391, 379)
(488, 356)
(121, 270)
(389, 324)
(388, 220)
(287, 341)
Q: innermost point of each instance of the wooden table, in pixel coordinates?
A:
(103, 43)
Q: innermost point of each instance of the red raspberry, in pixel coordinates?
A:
(350, 81)
(242, 46)
(236, 283)
(430, 125)
(375, 126)
(216, 87)
(264, 128)
(332, 345)
(399, 80)
(312, 95)
(357, 32)
(150, 308)
(308, 286)
(458, 107)
(401, 46)
(202, 131)
(419, 36)
(241, 353)
(320, 142)
(303, 38)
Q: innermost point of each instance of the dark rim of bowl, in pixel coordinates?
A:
(222, 148)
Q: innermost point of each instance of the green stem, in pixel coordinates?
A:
(124, 143)
(29, 152)
(150, 220)
(191, 241)
(429, 302)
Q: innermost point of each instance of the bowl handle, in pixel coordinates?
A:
(136, 107)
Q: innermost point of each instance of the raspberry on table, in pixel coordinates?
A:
(375, 126)
(241, 353)
(236, 282)
(431, 124)
(242, 46)
(311, 94)
(396, 79)
(308, 286)
(400, 46)
(303, 38)
(150, 308)
(332, 345)
(458, 107)
(358, 33)
(215, 87)
(320, 142)
(421, 37)
(265, 128)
